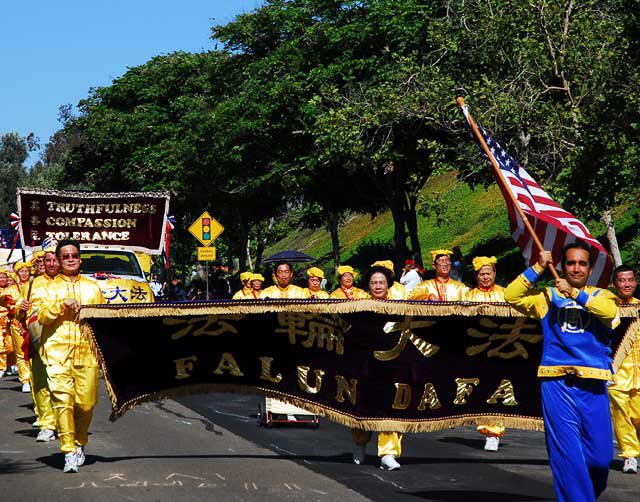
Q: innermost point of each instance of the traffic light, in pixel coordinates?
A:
(206, 229)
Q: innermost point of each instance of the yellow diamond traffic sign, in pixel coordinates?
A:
(206, 229)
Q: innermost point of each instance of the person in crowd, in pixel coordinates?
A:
(410, 277)
(487, 290)
(576, 359)
(443, 288)
(6, 345)
(39, 387)
(314, 280)
(397, 291)
(245, 292)
(72, 368)
(256, 281)
(23, 272)
(624, 394)
(176, 291)
(282, 287)
(346, 289)
(156, 288)
(379, 279)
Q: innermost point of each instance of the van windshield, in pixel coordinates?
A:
(111, 262)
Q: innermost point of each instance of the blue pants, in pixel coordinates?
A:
(579, 436)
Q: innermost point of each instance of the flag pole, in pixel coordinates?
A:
(498, 173)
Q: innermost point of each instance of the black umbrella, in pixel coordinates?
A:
(290, 256)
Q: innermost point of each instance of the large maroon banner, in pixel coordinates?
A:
(134, 220)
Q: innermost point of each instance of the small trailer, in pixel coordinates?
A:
(273, 411)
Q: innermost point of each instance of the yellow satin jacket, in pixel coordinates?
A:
(495, 294)
(628, 375)
(444, 291)
(350, 294)
(62, 339)
(318, 295)
(291, 291)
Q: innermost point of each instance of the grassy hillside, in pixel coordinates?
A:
(475, 220)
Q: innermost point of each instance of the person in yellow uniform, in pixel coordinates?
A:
(313, 291)
(347, 291)
(245, 292)
(442, 288)
(39, 388)
(23, 272)
(6, 346)
(487, 291)
(256, 281)
(282, 287)
(379, 280)
(72, 368)
(624, 394)
(397, 291)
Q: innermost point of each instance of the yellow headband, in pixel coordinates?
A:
(315, 272)
(388, 264)
(244, 276)
(256, 277)
(347, 269)
(481, 261)
(13, 276)
(437, 252)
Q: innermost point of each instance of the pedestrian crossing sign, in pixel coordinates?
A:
(206, 229)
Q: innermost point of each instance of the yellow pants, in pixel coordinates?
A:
(40, 393)
(625, 412)
(74, 393)
(389, 443)
(4, 350)
(496, 431)
(24, 372)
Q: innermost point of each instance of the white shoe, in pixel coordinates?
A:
(1, 373)
(26, 387)
(359, 453)
(70, 462)
(36, 424)
(14, 370)
(80, 457)
(491, 443)
(630, 465)
(45, 435)
(389, 463)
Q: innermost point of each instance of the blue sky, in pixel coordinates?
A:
(53, 53)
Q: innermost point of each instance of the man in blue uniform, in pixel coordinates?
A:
(576, 365)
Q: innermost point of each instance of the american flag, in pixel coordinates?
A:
(554, 226)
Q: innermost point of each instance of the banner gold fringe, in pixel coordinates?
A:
(467, 309)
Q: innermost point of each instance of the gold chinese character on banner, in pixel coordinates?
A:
(318, 330)
(212, 325)
(505, 340)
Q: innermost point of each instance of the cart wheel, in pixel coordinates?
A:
(259, 418)
(268, 423)
(316, 423)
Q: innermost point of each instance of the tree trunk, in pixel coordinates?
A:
(250, 265)
(241, 243)
(261, 242)
(399, 233)
(611, 236)
(335, 238)
(412, 226)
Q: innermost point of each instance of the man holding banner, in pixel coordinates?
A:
(576, 322)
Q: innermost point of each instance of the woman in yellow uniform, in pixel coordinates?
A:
(487, 291)
(245, 292)
(397, 291)
(23, 272)
(6, 346)
(442, 288)
(347, 291)
(255, 282)
(313, 291)
(379, 280)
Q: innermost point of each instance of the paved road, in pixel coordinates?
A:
(210, 448)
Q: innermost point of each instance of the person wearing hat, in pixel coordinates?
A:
(39, 387)
(6, 345)
(37, 262)
(347, 291)
(282, 287)
(313, 291)
(255, 282)
(487, 291)
(16, 314)
(396, 291)
(245, 292)
(410, 277)
(442, 288)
